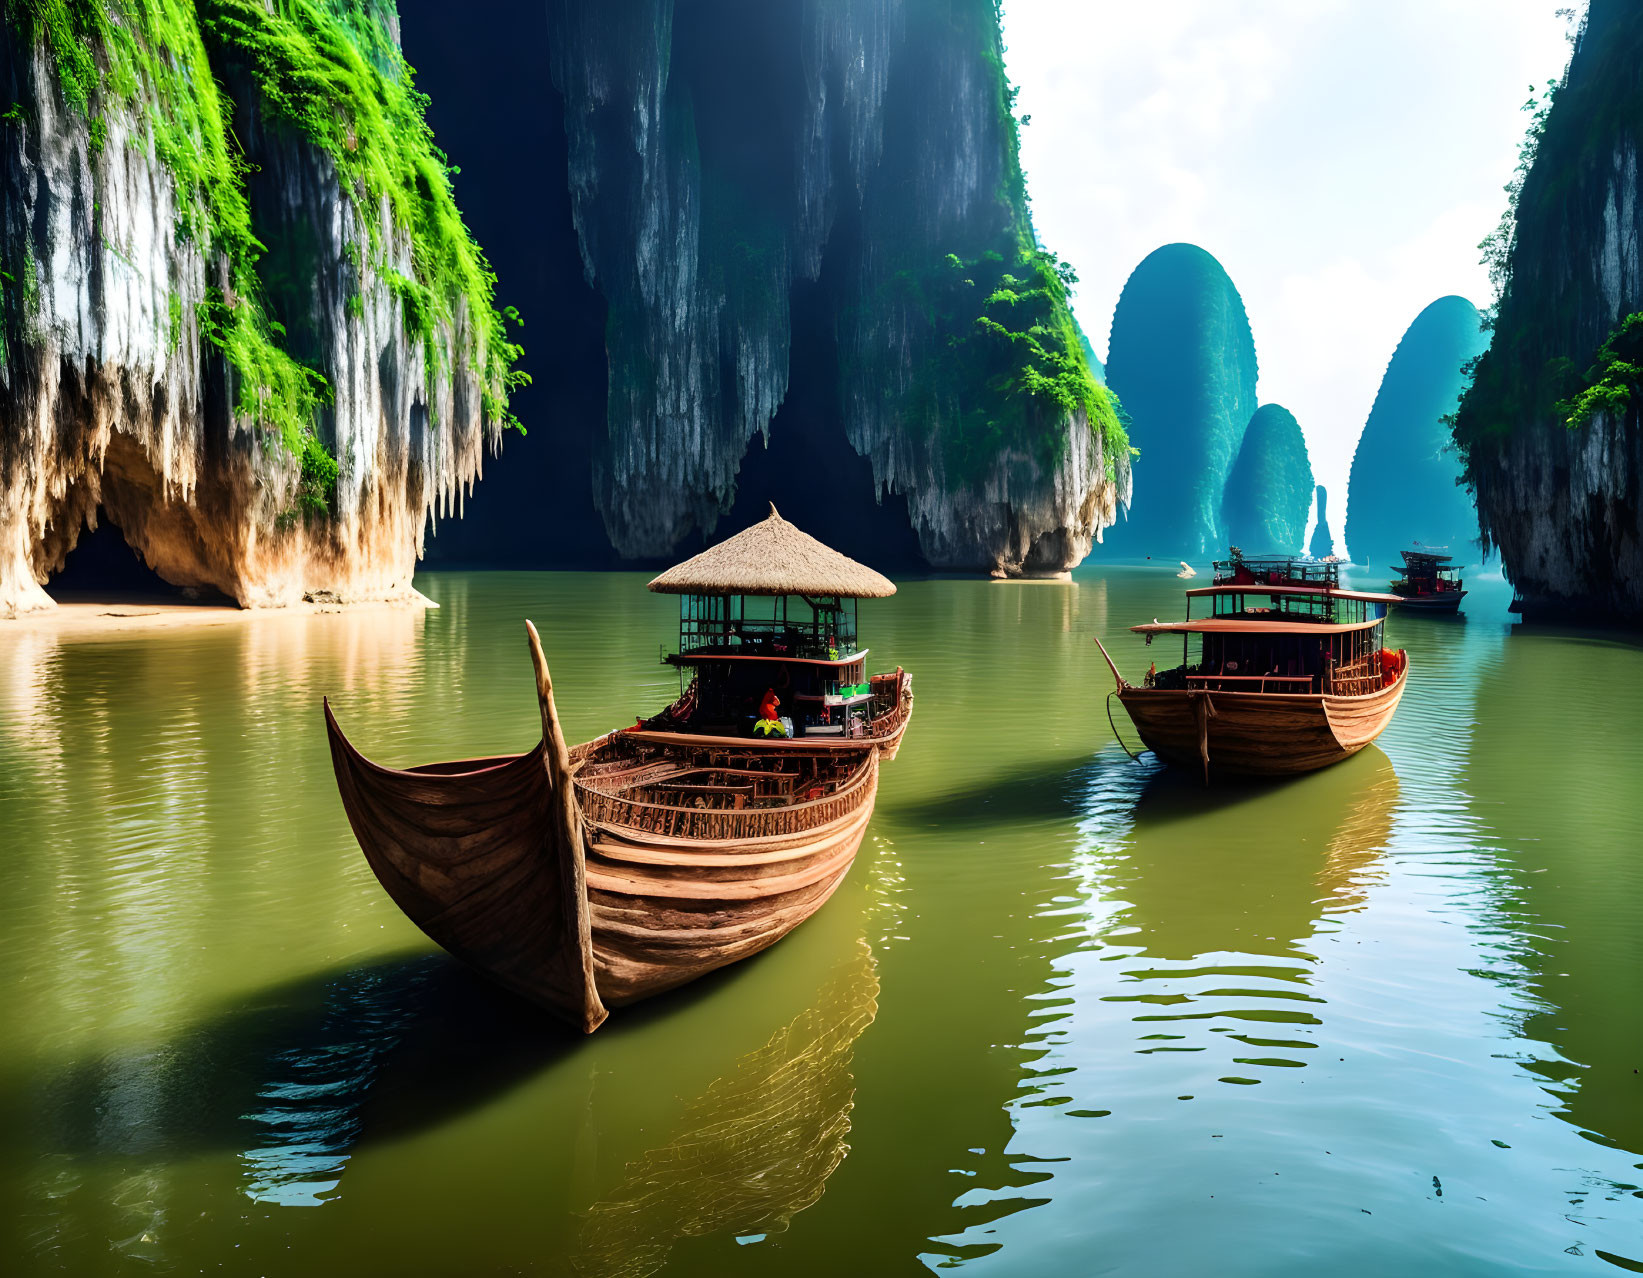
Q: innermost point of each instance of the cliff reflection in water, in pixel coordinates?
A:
(122, 848)
(757, 1146)
(1564, 813)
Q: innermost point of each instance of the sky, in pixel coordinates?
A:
(1340, 158)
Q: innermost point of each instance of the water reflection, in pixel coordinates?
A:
(1211, 900)
(285, 1077)
(1122, 1023)
(1563, 809)
(757, 1147)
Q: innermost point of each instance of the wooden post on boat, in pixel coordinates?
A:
(1117, 678)
(565, 824)
(1205, 711)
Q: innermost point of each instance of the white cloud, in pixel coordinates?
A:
(1342, 159)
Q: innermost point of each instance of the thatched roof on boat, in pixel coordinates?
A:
(773, 558)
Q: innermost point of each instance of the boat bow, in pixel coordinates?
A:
(486, 856)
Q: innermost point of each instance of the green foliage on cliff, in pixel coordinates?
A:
(1011, 369)
(328, 72)
(1612, 383)
(1008, 368)
(1543, 329)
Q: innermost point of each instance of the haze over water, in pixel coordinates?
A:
(1068, 1012)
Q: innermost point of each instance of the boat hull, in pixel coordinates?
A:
(543, 873)
(1254, 734)
(1449, 601)
(666, 910)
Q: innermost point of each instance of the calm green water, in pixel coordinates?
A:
(1069, 1014)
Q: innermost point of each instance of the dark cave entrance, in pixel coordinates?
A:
(496, 113)
(810, 471)
(103, 567)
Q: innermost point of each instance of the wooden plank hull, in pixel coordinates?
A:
(1258, 734)
(544, 873)
(1449, 601)
(665, 911)
(469, 851)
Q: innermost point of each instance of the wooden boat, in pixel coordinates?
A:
(590, 877)
(1288, 686)
(1426, 582)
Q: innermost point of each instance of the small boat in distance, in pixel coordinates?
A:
(590, 877)
(1287, 685)
(1426, 582)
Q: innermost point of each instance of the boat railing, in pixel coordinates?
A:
(1249, 683)
(1356, 678)
(889, 708)
(1275, 571)
(758, 636)
(618, 812)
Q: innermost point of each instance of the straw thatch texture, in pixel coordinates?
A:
(773, 558)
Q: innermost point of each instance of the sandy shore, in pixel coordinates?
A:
(119, 614)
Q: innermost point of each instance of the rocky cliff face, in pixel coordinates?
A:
(1322, 544)
(1405, 483)
(1182, 361)
(721, 154)
(266, 367)
(1269, 491)
(1550, 430)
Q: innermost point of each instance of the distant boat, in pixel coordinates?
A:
(1285, 686)
(590, 877)
(1426, 582)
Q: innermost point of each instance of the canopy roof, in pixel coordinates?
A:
(1240, 626)
(773, 558)
(1432, 555)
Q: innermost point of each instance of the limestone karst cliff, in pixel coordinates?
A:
(1322, 544)
(242, 317)
(1269, 492)
(1550, 430)
(1182, 361)
(1405, 478)
(729, 163)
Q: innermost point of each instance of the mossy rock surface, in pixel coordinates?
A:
(193, 78)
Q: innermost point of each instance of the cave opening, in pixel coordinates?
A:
(103, 567)
(809, 469)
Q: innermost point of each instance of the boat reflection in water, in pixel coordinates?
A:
(300, 1081)
(756, 1147)
(1251, 869)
